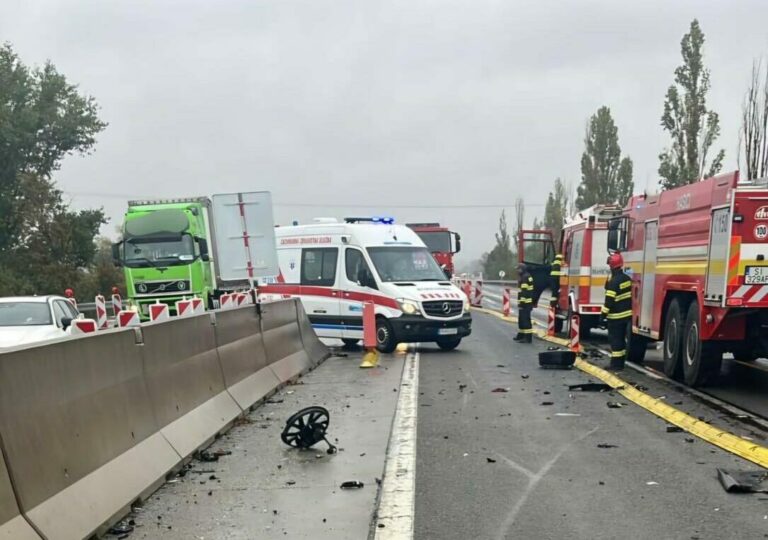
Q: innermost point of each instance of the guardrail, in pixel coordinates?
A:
(89, 425)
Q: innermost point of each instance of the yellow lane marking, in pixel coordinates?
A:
(722, 439)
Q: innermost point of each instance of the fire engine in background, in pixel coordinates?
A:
(697, 258)
(442, 243)
(584, 245)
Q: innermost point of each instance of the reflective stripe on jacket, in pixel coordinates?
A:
(618, 297)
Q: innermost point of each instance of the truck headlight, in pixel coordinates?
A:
(408, 307)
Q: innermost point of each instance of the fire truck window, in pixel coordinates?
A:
(318, 266)
(356, 267)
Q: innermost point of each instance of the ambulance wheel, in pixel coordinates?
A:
(350, 343)
(385, 336)
(448, 343)
(673, 341)
(701, 359)
(636, 346)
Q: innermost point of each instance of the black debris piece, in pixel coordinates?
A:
(547, 402)
(590, 387)
(490, 460)
(614, 405)
(210, 493)
(553, 348)
(607, 445)
(674, 429)
(524, 376)
(220, 453)
(291, 482)
(340, 354)
(352, 484)
(743, 481)
(689, 439)
(499, 390)
(640, 387)
(208, 457)
(462, 387)
(546, 392)
(500, 365)
(121, 528)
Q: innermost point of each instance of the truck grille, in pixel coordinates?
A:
(160, 287)
(443, 308)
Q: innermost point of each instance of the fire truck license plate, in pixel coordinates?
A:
(756, 275)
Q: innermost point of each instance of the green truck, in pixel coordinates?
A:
(179, 248)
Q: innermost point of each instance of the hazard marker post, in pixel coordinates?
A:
(575, 345)
(83, 326)
(101, 312)
(477, 299)
(468, 290)
(184, 308)
(371, 356)
(127, 318)
(117, 301)
(159, 312)
(70, 294)
(505, 302)
(551, 321)
(226, 301)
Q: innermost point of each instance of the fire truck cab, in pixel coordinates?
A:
(697, 256)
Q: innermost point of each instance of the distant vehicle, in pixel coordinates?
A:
(442, 243)
(335, 267)
(29, 319)
(179, 248)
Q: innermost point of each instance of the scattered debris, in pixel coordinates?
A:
(500, 365)
(123, 527)
(640, 387)
(743, 481)
(207, 457)
(490, 460)
(462, 387)
(307, 428)
(291, 482)
(546, 392)
(352, 484)
(607, 445)
(567, 414)
(524, 376)
(689, 439)
(651, 483)
(500, 390)
(614, 405)
(274, 401)
(339, 354)
(590, 387)
(220, 453)
(674, 429)
(547, 403)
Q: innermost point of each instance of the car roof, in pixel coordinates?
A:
(31, 299)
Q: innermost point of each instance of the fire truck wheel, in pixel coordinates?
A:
(673, 331)
(385, 336)
(701, 359)
(448, 343)
(636, 346)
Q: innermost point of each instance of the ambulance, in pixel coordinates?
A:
(335, 267)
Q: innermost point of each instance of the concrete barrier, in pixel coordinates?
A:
(79, 433)
(243, 358)
(315, 348)
(12, 524)
(185, 381)
(282, 339)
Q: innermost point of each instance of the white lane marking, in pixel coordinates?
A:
(398, 489)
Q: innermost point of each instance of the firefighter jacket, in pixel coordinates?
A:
(525, 296)
(618, 297)
(554, 275)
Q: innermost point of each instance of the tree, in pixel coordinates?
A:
(501, 256)
(754, 124)
(606, 178)
(556, 209)
(44, 246)
(692, 127)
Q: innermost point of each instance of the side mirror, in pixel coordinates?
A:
(366, 280)
(204, 255)
(116, 255)
(457, 241)
(66, 322)
(617, 234)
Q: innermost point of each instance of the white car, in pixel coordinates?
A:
(29, 319)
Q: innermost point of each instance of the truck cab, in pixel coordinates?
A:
(441, 243)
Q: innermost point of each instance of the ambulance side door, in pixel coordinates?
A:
(357, 286)
(320, 290)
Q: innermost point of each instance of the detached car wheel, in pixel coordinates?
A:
(448, 343)
(385, 336)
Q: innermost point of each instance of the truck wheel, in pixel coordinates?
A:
(673, 331)
(701, 359)
(448, 343)
(636, 346)
(385, 336)
(350, 343)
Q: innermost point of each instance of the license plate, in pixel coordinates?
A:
(756, 275)
(447, 331)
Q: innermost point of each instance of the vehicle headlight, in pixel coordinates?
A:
(408, 307)
(466, 304)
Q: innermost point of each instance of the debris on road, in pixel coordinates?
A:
(743, 481)
(500, 390)
(307, 427)
(352, 484)
(121, 528)
(651, 483)
(590, 387)
(567, 414)
(547, 402)
(607, 445)
(462, 387)
(674, 429)
(689, 439)
(208, 457)
(524, 376)
(614, 405)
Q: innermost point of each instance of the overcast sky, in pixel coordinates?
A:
(359, 106)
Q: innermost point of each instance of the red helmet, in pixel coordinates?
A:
(615, 260)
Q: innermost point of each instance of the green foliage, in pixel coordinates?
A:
(692, 127)
(44, 246)
(606, 178)
(501, 256)
(556, 209)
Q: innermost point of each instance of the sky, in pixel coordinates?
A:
(435, 110)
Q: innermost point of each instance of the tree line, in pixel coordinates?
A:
(693, 128)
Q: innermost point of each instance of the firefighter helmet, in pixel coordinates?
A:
(615, 260)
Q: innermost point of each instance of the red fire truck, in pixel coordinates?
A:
(442, 243)
(697, 257)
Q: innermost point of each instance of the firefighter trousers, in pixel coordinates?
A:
(524, 326)
(617, 336)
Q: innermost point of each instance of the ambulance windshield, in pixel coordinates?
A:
(398, 263)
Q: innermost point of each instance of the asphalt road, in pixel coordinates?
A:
(548, 478)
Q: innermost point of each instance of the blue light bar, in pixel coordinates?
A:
(383, 220)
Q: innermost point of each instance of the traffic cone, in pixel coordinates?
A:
(371, 356)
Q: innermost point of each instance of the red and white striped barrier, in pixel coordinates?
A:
(477, 297)
(226, 301)
(159, 312)
(467, 288)
(101, 311)
(193, 306)
(575, 345)
(83, 326)
(127, 318)
(241, 299)
(505, 302)
(117, 304)
(551, 322)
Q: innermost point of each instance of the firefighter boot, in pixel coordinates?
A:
(518, 337)
(526, 338)
(617, 364)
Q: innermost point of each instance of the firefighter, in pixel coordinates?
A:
(617, 310)
(524, 306)
(554, 279)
